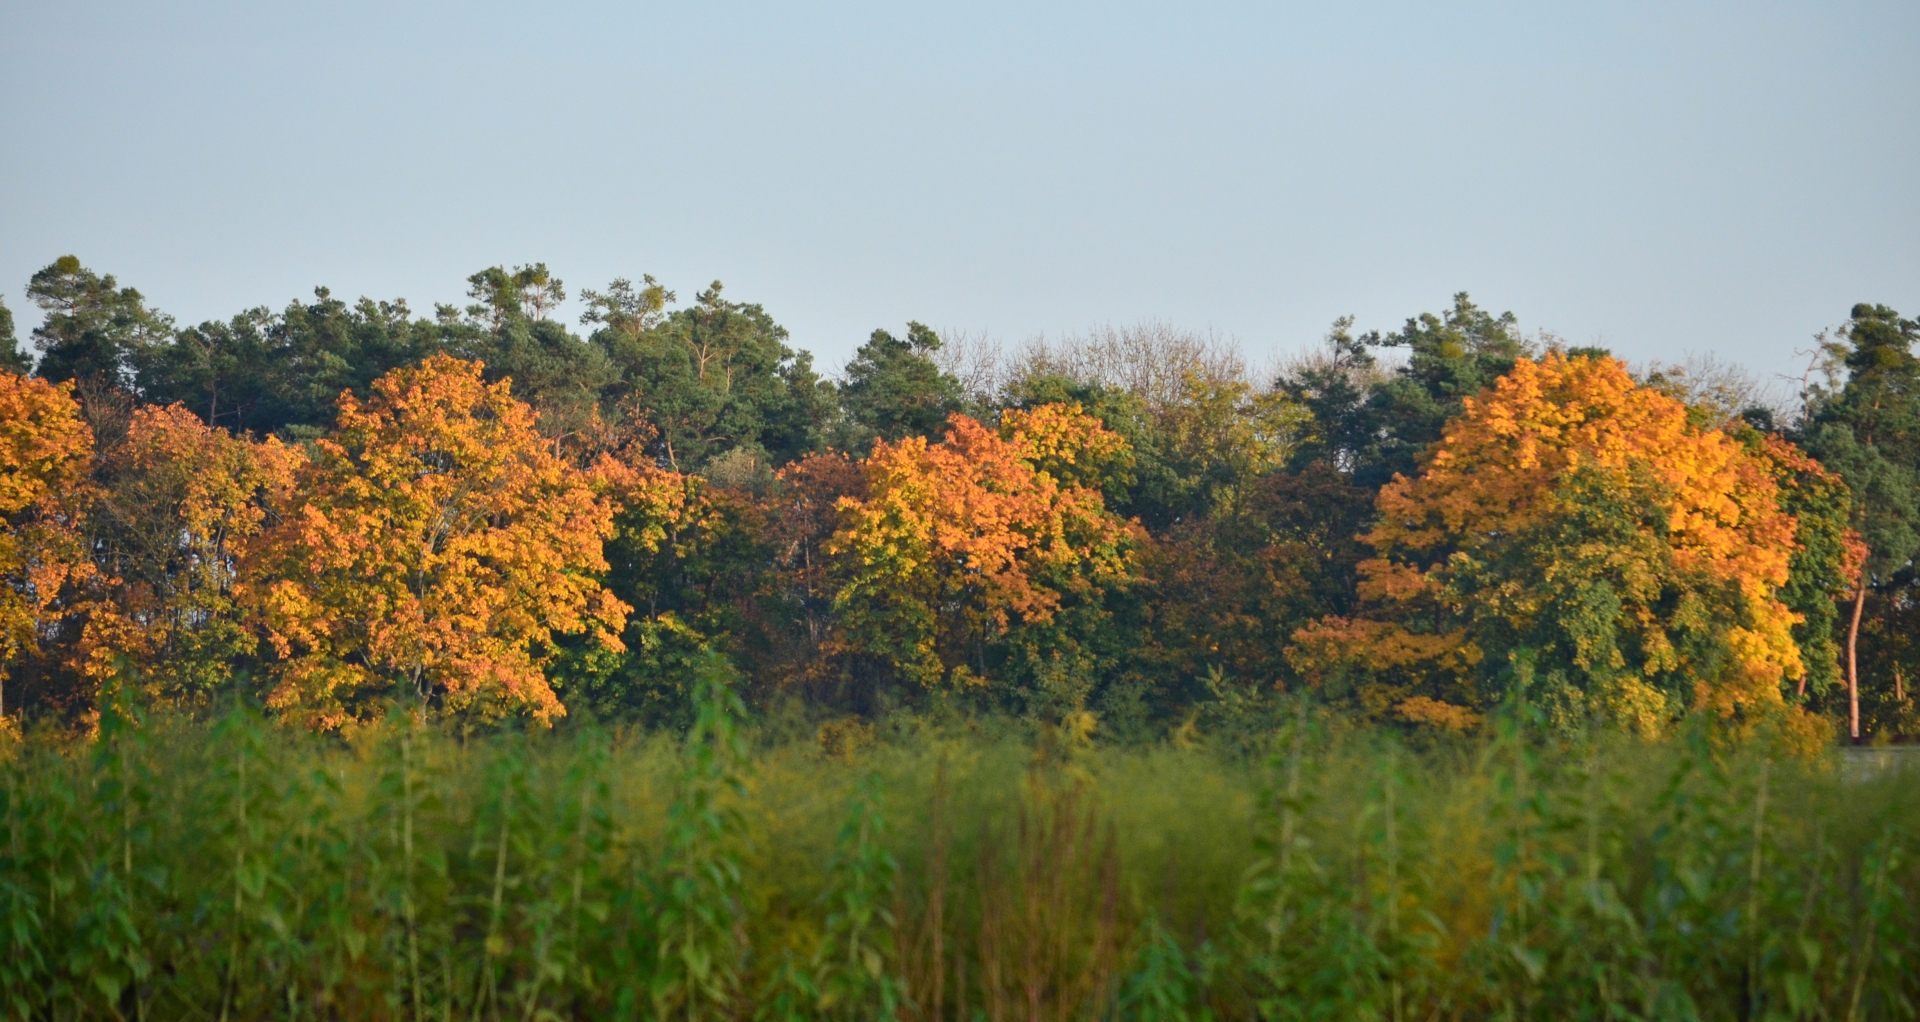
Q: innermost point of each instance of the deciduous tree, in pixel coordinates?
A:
(959, 543)
(179, 503)
(437, 545)
(1577, 519)
(45, 453)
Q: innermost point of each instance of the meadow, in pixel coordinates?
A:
(928, 868)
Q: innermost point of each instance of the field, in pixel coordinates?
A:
(174, 869)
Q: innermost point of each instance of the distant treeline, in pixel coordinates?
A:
(482, 512)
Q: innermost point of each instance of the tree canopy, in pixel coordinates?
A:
(340, 505)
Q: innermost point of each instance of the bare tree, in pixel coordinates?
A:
(1155, 360)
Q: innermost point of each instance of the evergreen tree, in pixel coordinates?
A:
(894, 389)
(1375, 429)
(94, 327)
(709, 379)
(12, 359)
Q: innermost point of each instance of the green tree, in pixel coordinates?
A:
(94, 327)
(894, 389)
(223, 372)
(1379, 428)
(625, 308)
(12, 359)
(507, 329)
(528, 291)
(1868, 432)
(711, 378)
(283, 373)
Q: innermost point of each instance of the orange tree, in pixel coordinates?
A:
(988, 552)
(1577, 528)
(436, 546)
(178, 505)
(46, 451)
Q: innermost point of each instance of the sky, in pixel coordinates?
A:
(1658, 178)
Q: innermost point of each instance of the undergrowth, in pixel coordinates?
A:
(174, 870)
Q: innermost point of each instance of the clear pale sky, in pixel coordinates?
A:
(1655, 177)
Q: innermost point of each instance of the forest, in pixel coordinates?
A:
(357, 662)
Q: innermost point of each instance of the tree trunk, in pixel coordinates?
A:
(1853, 656)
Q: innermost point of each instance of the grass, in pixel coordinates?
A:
(177, 870)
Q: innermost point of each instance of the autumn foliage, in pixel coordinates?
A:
(959, 542)
(179, 507)
(338, 510)
(1575, 530)
(437, 542)
(45, 455)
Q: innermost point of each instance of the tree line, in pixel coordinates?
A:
(335, 507)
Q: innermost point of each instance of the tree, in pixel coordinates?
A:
(324, 347)
(45, 452)
(1581, 523)
(262, 372)
(987, 536)
(1373, 427)
(12, 359)
(802, 513)
(528, 291)
(687, 556)
(223, 372)
(1224, 594)
(625, 309)
(179, 504)
(93, 327)
(710, 378)
(1824, 565)
(1868, 432)
(894, 389)
(436, 547)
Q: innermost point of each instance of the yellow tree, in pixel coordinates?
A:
(1573, 527)
(46, 451)
(436, 546)
(955, 544)
(179, 504)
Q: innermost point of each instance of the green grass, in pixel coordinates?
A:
(178, 870)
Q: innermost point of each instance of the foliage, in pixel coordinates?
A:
(857, 980)
(1380, 427)
(711, 378)
(842, 550)
(45, 452)
(435, 546)
(179, 506)
(176, 869)
(694, 926)
(1575, 514)
(1867, 431)
(12, 359)
(977, 540)
(894, 389)
(1826, 558)
(93, 327)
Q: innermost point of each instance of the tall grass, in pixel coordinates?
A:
(169, 870)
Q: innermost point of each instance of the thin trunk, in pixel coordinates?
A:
(1853, 656)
